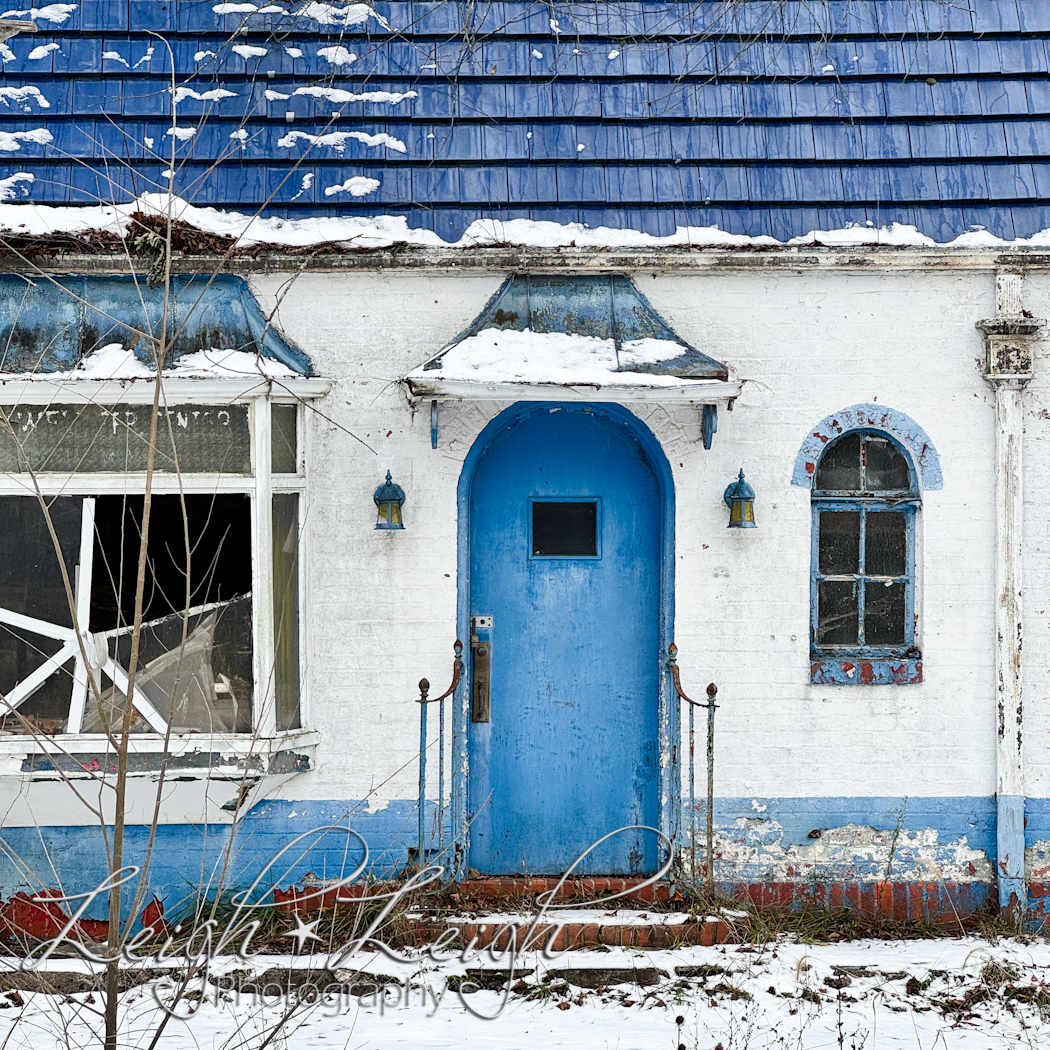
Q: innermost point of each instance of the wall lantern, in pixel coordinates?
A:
(740, 499)
(389, 498)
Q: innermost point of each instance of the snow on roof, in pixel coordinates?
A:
(583, 120)
(385, 230)
(591, 330)
(495, 356)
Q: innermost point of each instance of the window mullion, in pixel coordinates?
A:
(262, 572)
(85, 568)
(861, 566)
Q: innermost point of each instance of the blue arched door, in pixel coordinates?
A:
(565, 542)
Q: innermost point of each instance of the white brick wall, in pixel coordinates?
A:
(382, 605)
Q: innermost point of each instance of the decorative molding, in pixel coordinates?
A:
(876, 417)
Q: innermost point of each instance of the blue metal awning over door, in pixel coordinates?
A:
(600, 306)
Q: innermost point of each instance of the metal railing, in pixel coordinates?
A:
(672, 664)
(424, 688)
(712, 692)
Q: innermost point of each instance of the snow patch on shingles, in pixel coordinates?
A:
(337, 140)
(113, 56)
(334, 15)
(755, 850)
(295, 52)
(308, 181)
(16, 185)
(48, 13)
(542, 234)
(339, 96)
(275, 96)
(200, 56)
(384, 230)
(11, 141)
(214, 95)
(182, 134)
(356, 186)
(247, 51)
(42, 52)
(23, 95)
(145, 58)
(235, 9)
(337, 55)
(496, 356)
(240, 135)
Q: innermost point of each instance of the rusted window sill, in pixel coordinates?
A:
(860, 670)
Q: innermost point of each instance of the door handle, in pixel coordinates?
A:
(481, 676)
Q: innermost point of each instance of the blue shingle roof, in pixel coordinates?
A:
(761, 117)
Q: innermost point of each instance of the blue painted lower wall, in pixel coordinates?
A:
(801, 840)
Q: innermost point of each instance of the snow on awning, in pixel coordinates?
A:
(102, 327)
(573, 338)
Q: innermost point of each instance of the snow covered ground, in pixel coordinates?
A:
(952, 994)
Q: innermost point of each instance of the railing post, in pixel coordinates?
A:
(712, 692)
(424, 688)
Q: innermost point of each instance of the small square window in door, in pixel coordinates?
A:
(564, 529)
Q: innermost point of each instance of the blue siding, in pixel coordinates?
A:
(802, 115)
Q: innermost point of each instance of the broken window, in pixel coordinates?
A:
(195, 657)
(70, 562)
(864, 506)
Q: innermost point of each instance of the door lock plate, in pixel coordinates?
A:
(481, 672)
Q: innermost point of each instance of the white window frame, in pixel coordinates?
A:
(260, 486)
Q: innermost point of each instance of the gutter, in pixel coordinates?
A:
(258, 259)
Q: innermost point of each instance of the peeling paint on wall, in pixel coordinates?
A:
(753, 849)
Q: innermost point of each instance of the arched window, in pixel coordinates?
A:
(865, 500)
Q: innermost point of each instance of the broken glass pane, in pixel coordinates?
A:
(286, 608)
(197, 675)
(115, 438)
(47, 707)
(202, 541)
(837, 612)
(885, 469)
(220, 561)
(885, 543)
(31, 585)
(839, 542)
(30, 572)
(885, 612)
(839, 469)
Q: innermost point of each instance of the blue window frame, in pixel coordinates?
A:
(862, 601)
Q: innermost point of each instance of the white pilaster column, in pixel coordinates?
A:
(1008, 367)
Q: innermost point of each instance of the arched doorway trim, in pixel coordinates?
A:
(668, 722)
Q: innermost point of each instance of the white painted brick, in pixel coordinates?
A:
(383, 611)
